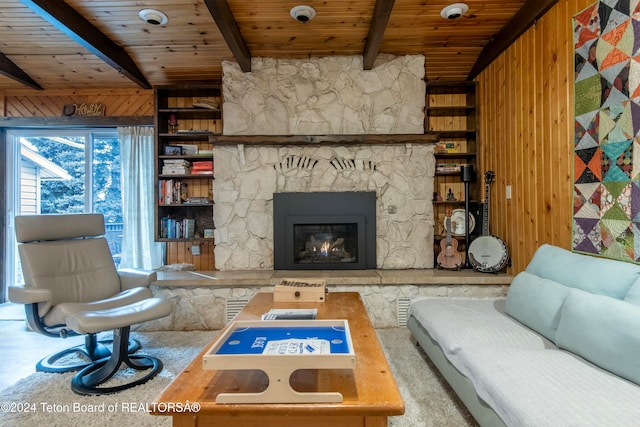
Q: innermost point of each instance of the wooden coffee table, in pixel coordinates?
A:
(370, 394)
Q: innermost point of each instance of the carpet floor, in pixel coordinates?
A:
(46, 399)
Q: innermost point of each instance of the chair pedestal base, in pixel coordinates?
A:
(88, 380)
(92, 350)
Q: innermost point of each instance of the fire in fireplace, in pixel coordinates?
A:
(324, 230)
(320, 243)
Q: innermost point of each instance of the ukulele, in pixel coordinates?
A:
(449, 258)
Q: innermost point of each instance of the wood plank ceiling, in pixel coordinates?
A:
(51, 44)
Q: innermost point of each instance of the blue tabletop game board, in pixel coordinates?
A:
(286, 339)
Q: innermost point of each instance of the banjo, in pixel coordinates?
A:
(487, 253)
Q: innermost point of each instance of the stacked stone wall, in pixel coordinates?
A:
(324, 96)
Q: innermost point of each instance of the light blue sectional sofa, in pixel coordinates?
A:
(563, 348)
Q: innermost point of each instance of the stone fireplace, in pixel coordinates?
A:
(324, 96)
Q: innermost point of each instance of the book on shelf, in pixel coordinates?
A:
(202, 167)
(171, 170)
(447, 167)
(176, 162)
(177, 228)
(203, 164)
(198, 200)
(189, 227)
(450, 147)
(176, 167)
(172, 191)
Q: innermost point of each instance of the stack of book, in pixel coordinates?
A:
(447, 167)
(202, 167)
(177, 228)
(172, 191)
(443, 147)
(176, 167)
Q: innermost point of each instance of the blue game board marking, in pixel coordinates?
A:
(252, 340)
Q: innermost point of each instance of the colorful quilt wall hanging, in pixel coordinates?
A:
(606, 175)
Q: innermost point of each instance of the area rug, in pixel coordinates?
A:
(44, 399)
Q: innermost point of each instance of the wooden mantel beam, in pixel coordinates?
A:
(221, 13)
(379, 21)
(9, 69)
(521, 21)
(69, 21)
(367, 139)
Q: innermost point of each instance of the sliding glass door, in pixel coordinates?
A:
(62, 171)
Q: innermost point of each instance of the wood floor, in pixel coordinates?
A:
(21, 349)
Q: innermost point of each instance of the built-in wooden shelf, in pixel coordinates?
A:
(467, 156)
(451, 202)
(451, 111)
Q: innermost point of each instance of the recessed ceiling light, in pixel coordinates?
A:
(303, 13)
(454, 11)
(153, 17)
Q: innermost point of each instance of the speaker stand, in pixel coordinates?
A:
(467, 264)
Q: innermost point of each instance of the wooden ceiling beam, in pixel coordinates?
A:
(70, 22)
(379, 21)
(521, 21)
(228, 26)
(9, 69)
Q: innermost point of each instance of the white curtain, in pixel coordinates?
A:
(139, 250)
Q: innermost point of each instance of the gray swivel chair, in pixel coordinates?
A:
(73, 288)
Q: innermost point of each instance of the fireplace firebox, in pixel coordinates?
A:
(324, 231)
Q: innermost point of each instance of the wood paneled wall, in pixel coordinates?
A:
(526, 135)
(182, 252)
(49, 103)
(525, 101)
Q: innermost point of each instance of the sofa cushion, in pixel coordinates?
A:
(536, 302)
(633, 296)
(595, 275)
(536, 388)
(603, 330)
(457, 323)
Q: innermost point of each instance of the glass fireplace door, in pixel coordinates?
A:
(322, 243)
(325, 242)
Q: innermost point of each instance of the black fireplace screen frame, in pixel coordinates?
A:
(324, 208)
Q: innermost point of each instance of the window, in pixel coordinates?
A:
(56, 171)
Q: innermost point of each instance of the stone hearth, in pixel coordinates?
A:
(209, 299)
